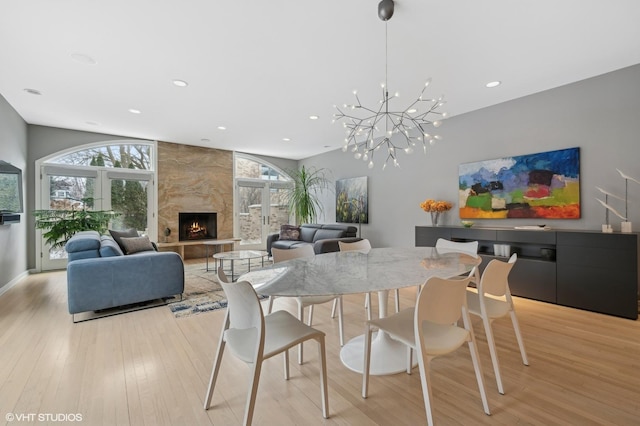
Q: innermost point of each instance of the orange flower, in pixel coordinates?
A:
(430, 205)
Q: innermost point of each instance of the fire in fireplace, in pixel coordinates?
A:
(198, 226)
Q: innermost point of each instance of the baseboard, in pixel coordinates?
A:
(13, 282)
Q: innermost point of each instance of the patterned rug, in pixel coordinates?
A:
(202, 292)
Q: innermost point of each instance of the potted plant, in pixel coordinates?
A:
(303, 199)
(60, 225)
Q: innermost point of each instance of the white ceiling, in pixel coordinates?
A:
(261, 68)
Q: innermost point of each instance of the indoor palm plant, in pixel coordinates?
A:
(303, 199)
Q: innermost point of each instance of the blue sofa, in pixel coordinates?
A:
(100, 276)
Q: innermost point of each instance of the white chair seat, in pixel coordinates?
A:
(495, 308)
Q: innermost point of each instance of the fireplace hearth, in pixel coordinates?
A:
(198, 226)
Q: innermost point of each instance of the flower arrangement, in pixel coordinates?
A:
(439, 206)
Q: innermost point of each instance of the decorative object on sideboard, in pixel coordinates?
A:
(436, 209)
(544, 185)
(626, 225)
(370, 128)
(606, 227)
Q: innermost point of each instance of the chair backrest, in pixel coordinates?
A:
(363, 245)
(494, 279)
(280, 255)
(441, 300)
(470, 247)
(222, 277)
(243, 306)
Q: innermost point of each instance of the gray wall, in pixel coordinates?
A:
(600, 115)
(13, 238)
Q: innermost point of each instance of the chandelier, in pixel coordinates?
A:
(370, 130)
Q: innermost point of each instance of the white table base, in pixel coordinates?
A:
(388, 356)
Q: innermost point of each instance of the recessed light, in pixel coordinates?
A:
(412, 110)
(92, 123)
(313, 117)
(33, 92)
(493, 83)
(180, 83)
(205, 140)
(286, 139)
(327, 146)
(83, 58)
(134, 111)
(222, 128)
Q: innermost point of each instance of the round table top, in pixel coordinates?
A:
(240, 254)
(353, 272)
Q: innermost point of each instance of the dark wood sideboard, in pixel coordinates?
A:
(581, 269)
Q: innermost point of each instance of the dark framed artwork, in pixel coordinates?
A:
(542, 185)
(352, 204)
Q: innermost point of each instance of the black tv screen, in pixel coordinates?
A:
(10, 188)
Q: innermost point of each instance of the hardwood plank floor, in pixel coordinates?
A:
(148, 368)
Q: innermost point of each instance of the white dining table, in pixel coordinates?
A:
(352, 272)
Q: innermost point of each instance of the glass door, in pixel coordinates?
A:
(261, 209)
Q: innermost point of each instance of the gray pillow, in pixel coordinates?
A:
(118, 235)
(136, 244)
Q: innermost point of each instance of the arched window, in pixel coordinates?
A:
(116, 176)
(260, 200)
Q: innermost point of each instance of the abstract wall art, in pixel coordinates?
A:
(352, 205)
(542, 185)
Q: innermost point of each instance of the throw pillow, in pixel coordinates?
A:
(289, 232)
(118, 235)
(136, 244)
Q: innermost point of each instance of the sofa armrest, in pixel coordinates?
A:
(271, 238)
(107, 282)
(331, 244)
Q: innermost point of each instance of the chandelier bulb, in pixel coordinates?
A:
(344, 148)
(428, 82)
(432, 142)
(438, 137)
(437, 123)
(384, 166)
(355, 148)
(371, 164)
(396, 94)
(357, 155)
(445, 114)
(424, 147)
(395, 162)
(355, 92)
(408, 150)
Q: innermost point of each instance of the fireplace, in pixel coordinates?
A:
(198, 226)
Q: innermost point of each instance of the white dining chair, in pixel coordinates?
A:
(364, 246)
(431, 330)
(254, 337)
(492, 300)
(280, 255)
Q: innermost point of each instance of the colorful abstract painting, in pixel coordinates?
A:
(543, 185)
(352, 205)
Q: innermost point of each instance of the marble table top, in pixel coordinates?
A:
(356, 272)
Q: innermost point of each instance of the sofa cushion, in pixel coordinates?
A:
(83, 241)
(289, 232)
(323, 234)
(136, 244)
(287, 244)
(109, 248)
(307, 233)
(118, 235)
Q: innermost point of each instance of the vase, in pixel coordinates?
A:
(435, 218)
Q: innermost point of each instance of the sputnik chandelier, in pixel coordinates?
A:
(368, 130)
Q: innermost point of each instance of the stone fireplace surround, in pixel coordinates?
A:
(194, 179)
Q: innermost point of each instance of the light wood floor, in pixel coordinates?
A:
(148, 368)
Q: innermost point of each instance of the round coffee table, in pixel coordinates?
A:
(247, 255)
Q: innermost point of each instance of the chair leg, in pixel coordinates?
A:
(286, 364)
(516, 328)
(367, 305)
(251, 401)
(397, 294)
(214, 374)
(338, 301)
(475, 358)
(367, 360)
(423, 364)
(310, 323)
(323, 377)
(333, 308)
(493, 352)
(301, 318)
(409, 359)
(270, 307)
